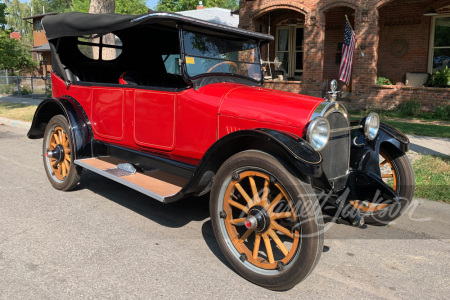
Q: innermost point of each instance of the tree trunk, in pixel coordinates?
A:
(104, 7)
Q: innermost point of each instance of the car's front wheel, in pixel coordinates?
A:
(58, 154)
(267, 222)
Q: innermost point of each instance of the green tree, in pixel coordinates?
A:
(2, 15)
(180, 5)
(16, 11)
(130, 7)
(14, 54)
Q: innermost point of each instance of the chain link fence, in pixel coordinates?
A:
(24, 86)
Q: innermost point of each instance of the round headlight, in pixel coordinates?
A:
(318, 133)
(371, 126)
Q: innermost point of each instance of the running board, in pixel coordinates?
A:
(154, 183)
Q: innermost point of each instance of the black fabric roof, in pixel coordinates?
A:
(78, 24)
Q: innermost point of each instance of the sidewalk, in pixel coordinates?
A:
(21, 100)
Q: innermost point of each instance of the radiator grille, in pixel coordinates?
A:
(336, 154)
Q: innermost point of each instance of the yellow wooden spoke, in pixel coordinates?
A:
(274, 202)
(238, 205)
(56, 138)
(245, 236)
(257, 243)
(244, 194)
(383, 163)
(277, 240)
(268, 247)
(67, 165)
(67, 157)
(282, 215)
(237, 221)
(282, 229)
(256, 198)
(387, 175)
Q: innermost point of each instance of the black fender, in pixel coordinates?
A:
(295, 154)
(364, 154)
(79, 124)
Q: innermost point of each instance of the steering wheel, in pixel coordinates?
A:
(233, 64)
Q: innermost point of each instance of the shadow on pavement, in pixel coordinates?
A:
(173, 215)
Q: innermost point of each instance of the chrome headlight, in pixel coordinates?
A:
(371, 126)
(318, 133)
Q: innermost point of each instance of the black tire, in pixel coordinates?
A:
(403, 183)
(281, 191)
(62, 173)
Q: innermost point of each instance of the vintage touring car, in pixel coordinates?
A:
(174, 107)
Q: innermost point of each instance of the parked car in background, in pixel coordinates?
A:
(174, 107)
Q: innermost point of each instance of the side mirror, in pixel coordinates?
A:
(43, 69)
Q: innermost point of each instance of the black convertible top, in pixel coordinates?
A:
(78, 24)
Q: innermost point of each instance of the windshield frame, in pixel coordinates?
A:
(239, 77)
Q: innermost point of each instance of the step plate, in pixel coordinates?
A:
(156, 184)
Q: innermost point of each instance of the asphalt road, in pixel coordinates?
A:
(104, 240)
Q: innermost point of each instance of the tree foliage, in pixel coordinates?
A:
(2, 15)
(180, 5)
(14, 54)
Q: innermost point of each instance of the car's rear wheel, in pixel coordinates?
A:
(267, 222)
(58, 154)
(397, 172)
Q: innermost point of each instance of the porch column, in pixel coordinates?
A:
(365, 68)
(313, 53)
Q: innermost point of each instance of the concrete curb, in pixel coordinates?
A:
(15, 123)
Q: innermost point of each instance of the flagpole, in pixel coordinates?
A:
(357, 44)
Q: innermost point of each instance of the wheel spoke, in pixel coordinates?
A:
(274, 202)
(64, 171)
(283, 215)
(244, 194)
(67, 165)
(237, 221)
(387, 175)
(383, 163)
(56, 138)
(256, 247)
(268, 247)
(60, 137)
(52, 146)
(245, 236)
(67, 157)
(256, 198)
(265, 193)
(277, 240)
(238, 205)
(282, 229)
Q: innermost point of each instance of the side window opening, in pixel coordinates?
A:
(104, 47)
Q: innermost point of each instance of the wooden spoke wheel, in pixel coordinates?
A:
(272, 239)
(396, 171)
(58, 155)
(267, 222)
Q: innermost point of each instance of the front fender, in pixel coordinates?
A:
(365, 154)
(295, 153)
(78, 122)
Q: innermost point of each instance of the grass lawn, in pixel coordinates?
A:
(17, 111)
(421, 129)
(433, 178)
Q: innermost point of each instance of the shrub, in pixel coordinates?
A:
(442, 112)
(5, 89)
(440, 78)
(383, 81)
(409, 108)
(24, 90)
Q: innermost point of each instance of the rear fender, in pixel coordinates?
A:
(78, 122)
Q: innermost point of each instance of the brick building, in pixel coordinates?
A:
(397, 37)
(41, 48)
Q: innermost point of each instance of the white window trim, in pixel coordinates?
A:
(431, 47)
(291, 48)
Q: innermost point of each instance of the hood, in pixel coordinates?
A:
(269, 106)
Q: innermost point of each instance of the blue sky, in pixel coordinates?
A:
(152, 3)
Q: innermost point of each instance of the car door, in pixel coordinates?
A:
(154, 119)
(108, 113)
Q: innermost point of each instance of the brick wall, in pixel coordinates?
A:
(393, 34)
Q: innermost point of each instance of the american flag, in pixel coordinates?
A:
(348, 49)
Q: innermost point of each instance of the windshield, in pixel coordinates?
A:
(210, 54)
